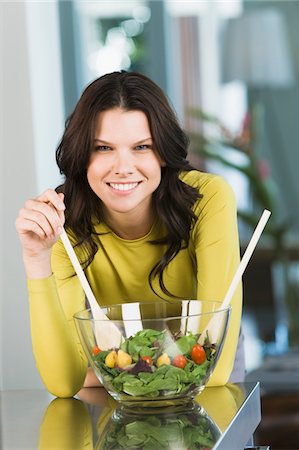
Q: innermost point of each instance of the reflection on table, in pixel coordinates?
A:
(219, 418)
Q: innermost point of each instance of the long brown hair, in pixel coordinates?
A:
(173, 200)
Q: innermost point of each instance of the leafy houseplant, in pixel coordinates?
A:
(212, 146)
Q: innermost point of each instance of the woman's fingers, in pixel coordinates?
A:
(43, 216)
(60, 212)
(51, 196)
(40, 220)
(57, 201)
(39, 224)
(25, 226)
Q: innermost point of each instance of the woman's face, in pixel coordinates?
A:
(124, 170)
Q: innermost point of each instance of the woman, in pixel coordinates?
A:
(144, 224)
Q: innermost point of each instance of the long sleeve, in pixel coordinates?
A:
(217, 250)
(58, 354)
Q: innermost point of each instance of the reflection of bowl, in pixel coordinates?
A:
(190, 429)
(153, 354)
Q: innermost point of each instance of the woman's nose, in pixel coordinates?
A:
(123, 163)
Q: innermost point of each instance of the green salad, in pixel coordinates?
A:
(155, 363)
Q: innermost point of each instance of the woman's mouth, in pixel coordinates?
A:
(123, 186)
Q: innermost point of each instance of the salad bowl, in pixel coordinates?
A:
(162, 353)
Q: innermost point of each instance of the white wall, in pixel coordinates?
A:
(32, 123)
(1, 193)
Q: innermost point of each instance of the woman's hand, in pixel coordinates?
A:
(39, 225)
(91, 380)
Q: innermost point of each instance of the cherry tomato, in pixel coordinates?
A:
(96, 350)
(148, 360)
(198, 354)
(179, 361)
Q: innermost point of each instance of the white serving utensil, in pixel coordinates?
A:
(213, 325)
(106, 332)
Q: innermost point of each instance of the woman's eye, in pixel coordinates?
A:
(102, 148)
(143, 147)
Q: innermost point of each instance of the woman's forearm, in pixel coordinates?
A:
(59, 356)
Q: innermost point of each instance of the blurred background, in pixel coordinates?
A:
(231, 71)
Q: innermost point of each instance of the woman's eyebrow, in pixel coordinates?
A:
(135, 143)
(143, 140)
(101, 140)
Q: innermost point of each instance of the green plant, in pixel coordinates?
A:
(255, 169)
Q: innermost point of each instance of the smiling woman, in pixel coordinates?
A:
(124, 170)
(145, 225)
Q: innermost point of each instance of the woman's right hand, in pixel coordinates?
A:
(39, 225)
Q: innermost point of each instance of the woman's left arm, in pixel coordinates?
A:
(216, 241)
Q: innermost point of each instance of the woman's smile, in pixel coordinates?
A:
(123, 187)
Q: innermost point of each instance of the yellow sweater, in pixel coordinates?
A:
(119, 273)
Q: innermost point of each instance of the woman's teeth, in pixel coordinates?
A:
(123, 186)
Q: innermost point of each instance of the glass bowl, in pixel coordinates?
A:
(154, 354)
